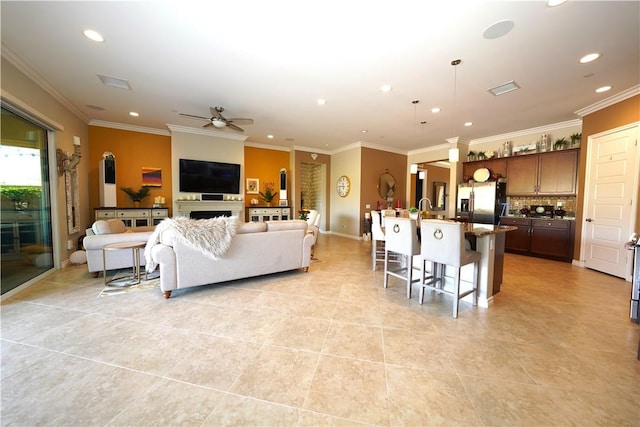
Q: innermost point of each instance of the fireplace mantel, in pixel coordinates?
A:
(185, 207)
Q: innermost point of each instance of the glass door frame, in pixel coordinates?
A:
(50, 126)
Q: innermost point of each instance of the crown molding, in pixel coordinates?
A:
(131, 128)
(383, 148)
(14, 103)
(619, 97)
(206, 132)
(311, 150)
(267, 146)
(525, 132)
(34, 76)
(429, 149)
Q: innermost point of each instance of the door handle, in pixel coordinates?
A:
(588, 219)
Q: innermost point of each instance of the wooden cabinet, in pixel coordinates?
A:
(495, 166)
(545, 238)
(133, 217)
(552, 238)
(517, 241)
(268, 214)
(558, 172)
(553, 173)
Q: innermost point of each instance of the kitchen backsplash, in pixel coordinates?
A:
(516, 203)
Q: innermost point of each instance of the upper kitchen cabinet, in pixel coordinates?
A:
(495, 165)
(552, 173)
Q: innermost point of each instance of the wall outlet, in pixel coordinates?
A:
(69, 244)
(367, 206)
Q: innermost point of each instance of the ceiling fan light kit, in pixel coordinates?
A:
(218, 121)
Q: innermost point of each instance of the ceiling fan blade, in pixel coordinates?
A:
(195, 117)
(241, 121)
(232, 126)
(208, 125)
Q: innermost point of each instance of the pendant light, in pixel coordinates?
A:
(454, 152)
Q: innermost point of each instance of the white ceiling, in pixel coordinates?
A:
(271, 61)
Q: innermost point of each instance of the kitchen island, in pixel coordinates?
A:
(488, 239)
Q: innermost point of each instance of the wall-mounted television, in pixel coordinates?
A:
(201, 176)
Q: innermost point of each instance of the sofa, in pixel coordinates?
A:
(104, 232)
(256, 249)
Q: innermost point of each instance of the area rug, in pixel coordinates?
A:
(119, 286)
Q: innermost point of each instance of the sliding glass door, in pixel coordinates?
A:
(25, 218)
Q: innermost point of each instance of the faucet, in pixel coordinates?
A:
(423, 199)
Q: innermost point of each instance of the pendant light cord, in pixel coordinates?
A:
(455, 63)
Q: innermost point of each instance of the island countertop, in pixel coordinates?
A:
(479, 230)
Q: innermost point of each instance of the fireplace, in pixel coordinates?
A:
(208, 214)
(209, 209)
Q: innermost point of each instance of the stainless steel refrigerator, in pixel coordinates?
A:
(481, 202)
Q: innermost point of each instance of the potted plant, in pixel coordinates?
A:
(471, 155)
(413, 213)
(136, 196)
(560, 143)
(576, 138)
(482, 155)
(269, 193)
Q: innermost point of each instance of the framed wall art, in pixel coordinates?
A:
(253, 186)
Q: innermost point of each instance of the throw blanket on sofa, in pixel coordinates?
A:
(212, 237)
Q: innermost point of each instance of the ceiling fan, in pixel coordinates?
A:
(217, 120)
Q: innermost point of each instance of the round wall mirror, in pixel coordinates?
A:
(386, 185)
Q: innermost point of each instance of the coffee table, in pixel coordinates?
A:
(135, 249)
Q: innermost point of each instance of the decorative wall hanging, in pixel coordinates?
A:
(151, 177)
(68, 166)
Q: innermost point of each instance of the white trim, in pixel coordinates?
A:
(17, 105)
(132, 128)
(206, 132)
(266, 146)
(311, 150)
(525, 132)
(23, 67)
(621, 96)
(429, 149)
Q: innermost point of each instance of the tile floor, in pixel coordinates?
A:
(330, 347)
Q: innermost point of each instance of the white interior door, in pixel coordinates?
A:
(610, 206)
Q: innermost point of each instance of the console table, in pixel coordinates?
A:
(133, 217)
(266, 213)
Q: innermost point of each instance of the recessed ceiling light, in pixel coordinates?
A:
(498, 29)
(385, 88)
(134, 114)
(504, 88)
(467, 124)
(270, 136)
(321, 101)
(603, 89)
(364, 131)
(554, 3)
(93, 35)
(435, 110)
(589, 58)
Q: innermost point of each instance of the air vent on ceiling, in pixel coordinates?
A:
(504, 88)
(114, 82)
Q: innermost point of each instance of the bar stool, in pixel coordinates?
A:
(401, 239)
(442, 242)
(377, 239)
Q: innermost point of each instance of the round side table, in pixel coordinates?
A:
(135, 249)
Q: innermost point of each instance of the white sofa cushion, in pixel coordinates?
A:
(111, 226)
(293, 224)
(251, 227)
